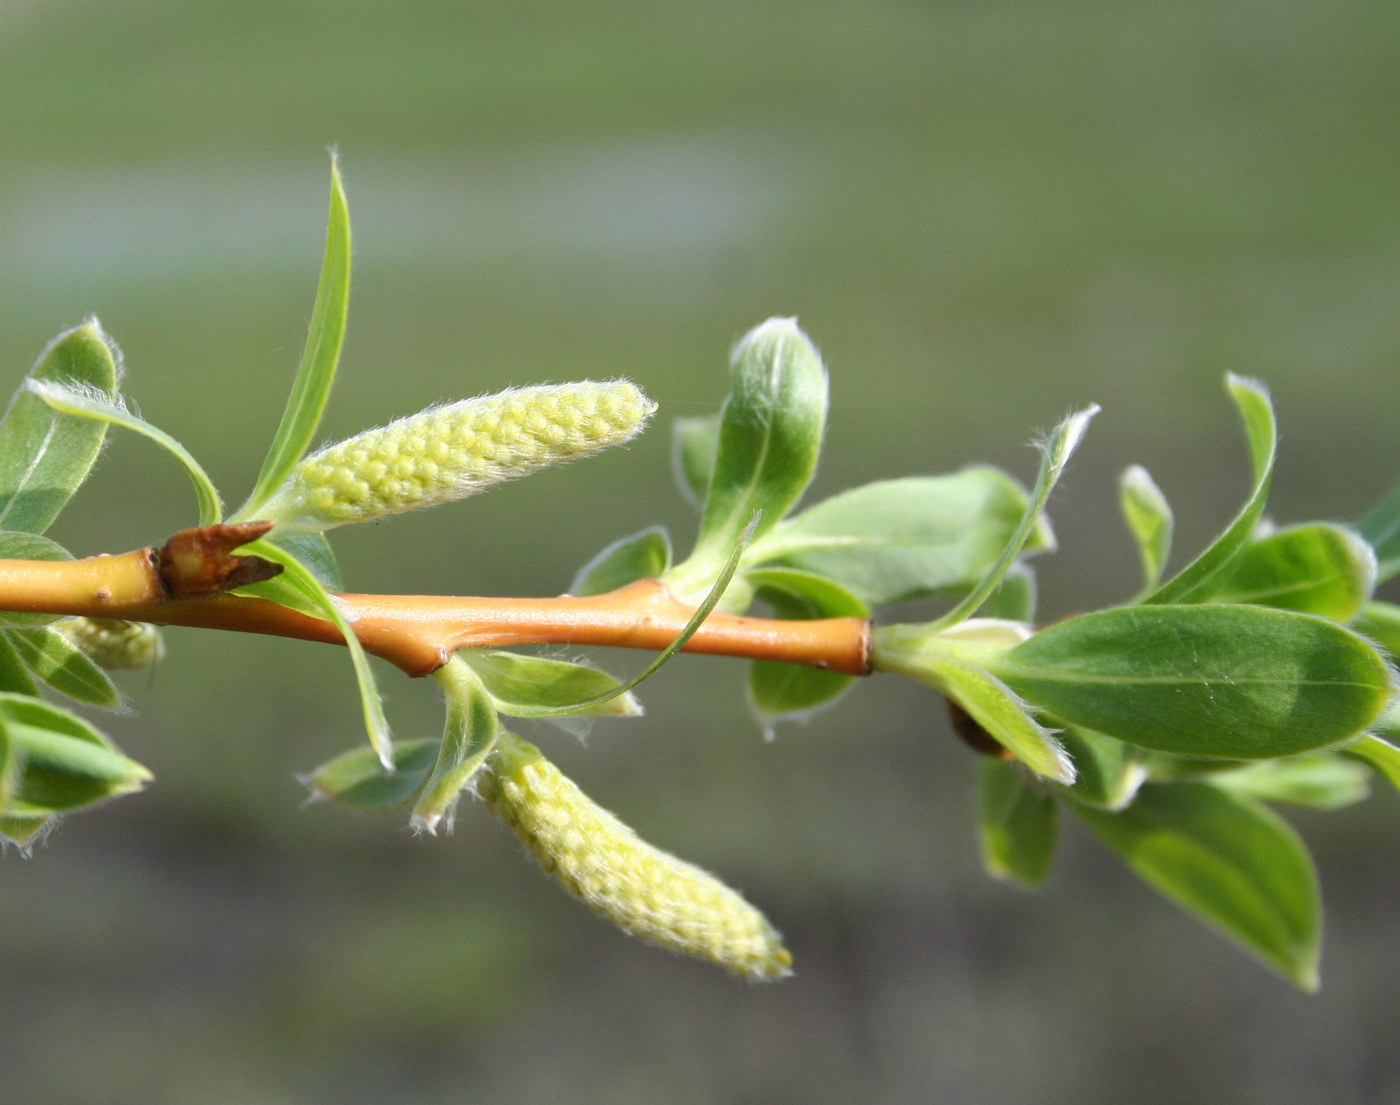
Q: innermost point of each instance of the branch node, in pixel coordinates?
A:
(200, 561)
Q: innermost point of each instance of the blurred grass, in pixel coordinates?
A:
(985, 215)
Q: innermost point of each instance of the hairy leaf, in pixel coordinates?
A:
(469, 735)
(1246, 682)
(64, 667)
(359, 780)
(1108, 772)
(1316, 569)
(1149, 518)
(519, 683)
(45, 454)
(693, 444)
(1228, 860)
(1383, 756)
(1019, 824)
(1322, 780)
(644, 555)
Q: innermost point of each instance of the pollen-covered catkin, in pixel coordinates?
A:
(115, 644)
(445, 453)
(645, 891)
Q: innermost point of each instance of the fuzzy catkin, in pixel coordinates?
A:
(645, 891)
(115, 644)
(445, 453)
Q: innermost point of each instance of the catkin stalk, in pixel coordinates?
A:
(446, 453)
(645, 891)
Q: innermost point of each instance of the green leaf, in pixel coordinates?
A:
(64, 667)
(312, 597)
(693, 445)
(1199, 579)
(1019, 824)
(36, 713)
(1227, 860)
(46, 455)
(319, 359)
(1058, 448)
(1316, 569)
(769, 435)
(84, 404)
(644, 555)
(1149, 518)
(28, 546)
(1322, 780)
(1108, 771)
(1383, 756)
(702, 612)
(315, 553)
(1014, 598)
(357, 778)
(58, 762)
(790, 692)
(901, 539)
(517, 682)
(14, 675)
(1245, 682)
(1381, 527)
(1380, 622)
(470, 734)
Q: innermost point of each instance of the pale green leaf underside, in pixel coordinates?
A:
(64, 667)
(1019, 823)
(1382, 755)
(517, 682)
(693, 444)
(643, 555)
(469, 735)
(1315, 569)
(1148, 516)
(1322, 780)
(359, 780)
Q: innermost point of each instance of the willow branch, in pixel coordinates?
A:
(187, 581)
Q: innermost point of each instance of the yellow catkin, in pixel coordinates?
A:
(645, 891)
(115, 644)
(445, 453)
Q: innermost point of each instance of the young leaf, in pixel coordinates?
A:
(58, 772)
(1244, 682)
(64, 667)
(1199, 579)
(781, 691)
(769, 435)
(644, 555)
(38, 714)
(1149, 518)
(1014, 598)
(316, 372)
(1228, 860)
(1058, 449)
(1322, 780)
(1381, 527)
(85, 404)
(1315, 569)
(470, 734)
(1108, 772)
(44, 454)
(14, 675)
(693, 445)
(1380, 622)
(901, 539)
(28, 546)
(357, 779)
(313, 597)
(315, 553)
(1019, 824)
(517, 682)
(1383, 756)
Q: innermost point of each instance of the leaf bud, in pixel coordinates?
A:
(449, 452)
(643, 890)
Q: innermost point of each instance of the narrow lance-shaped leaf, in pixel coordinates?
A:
(316, 372)
(1228, 860)
(1199, 579)
(315, 598)
(63, 666)
(1245, 682)
(1057, 450)
(359, 780)
(1322, 780)
(1315, 569)
(83, 404)
(1019, 824)
(28, 546)
(1149, 519)
(693, 444)
(44, 454)
(644, 555)
(779, 691)
(469, 735)
(900, 539)
(769, 437)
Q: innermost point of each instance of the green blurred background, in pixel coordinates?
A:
(985, 214)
